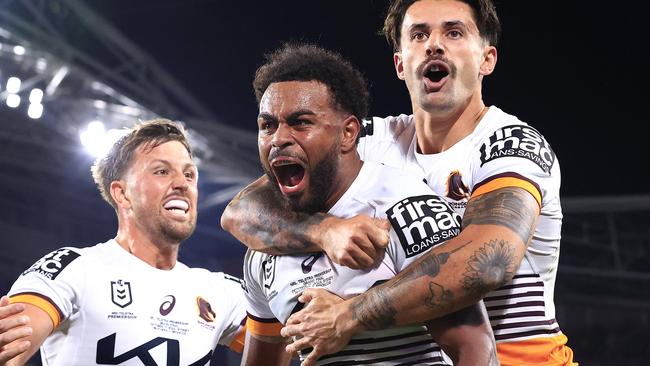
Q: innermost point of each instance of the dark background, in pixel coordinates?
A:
(574, 70)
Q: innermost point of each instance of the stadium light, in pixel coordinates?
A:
(35, 110)
(97, 140)
(13, 85)
(13, 100)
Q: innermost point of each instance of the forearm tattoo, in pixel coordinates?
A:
(510, 207)
(489, 267)
(375, 309)
(269, 220)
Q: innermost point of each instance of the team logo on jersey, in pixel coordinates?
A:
(309, 262)
(422, 222)
(456, 188)
(519, 141)
(53, 263)
(268, 271)
(167, 305)
(205, 309)
(121, 293)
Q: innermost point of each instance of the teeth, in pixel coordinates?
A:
(176, 204)
(434, 68)
(282, 162)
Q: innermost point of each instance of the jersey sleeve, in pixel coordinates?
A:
(516, 155)
(260, 318)
(379, 135)
(53, 284)
(232, 290)
(420, 220)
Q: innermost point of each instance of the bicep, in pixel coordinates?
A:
(42, 326)
(264, 351)
(509, 208)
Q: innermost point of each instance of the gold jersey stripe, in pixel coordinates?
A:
(503, 182)
(40, 303)
(263, 329)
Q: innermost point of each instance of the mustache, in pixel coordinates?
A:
(436, 57)
(282, 153)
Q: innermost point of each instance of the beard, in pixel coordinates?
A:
(163, 230)
(320, 188)
(176, 233)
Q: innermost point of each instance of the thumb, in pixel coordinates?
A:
(382, 223)
(307, 295)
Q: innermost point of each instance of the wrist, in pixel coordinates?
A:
(317, 227)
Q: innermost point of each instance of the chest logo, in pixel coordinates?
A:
(205, 309)
(456, 188)
(121, 293)
(168, 305)
(309, 262)
(422, 222)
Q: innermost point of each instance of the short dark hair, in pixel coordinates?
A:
(484, 11)
(308, 62)
(148, 134)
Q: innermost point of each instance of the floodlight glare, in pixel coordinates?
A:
(35, 110)
(13, 84)
(19, 50)
(97, 140)
(36, 96)
(13, 100)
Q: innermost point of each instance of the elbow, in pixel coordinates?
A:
(227, 220)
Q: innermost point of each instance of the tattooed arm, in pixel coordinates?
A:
(260, 218)
(497, 227)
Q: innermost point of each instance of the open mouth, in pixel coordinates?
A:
(177, 207)
(289, 175)
(436, 72)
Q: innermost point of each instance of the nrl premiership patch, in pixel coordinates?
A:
(422, 222)
(519, 141)
(52, 264)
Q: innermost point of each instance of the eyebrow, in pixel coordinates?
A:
(167, 163)
(301, 112)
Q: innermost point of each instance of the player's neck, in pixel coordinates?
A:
(348, 171)
(440, 130)
(156, 253)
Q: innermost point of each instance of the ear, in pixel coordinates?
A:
(489, 60)
(351, 129)
(399, 66)
(119, 193)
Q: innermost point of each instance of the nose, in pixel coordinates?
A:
(281, 136)
(180, 181)
(434, 45)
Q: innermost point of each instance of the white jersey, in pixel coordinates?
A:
(502, 151)
(111, 308)
(419, 221)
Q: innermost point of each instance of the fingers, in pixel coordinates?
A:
(14, 332)
(297, 345)
(379, 236)
(311, 358)
(10, 352)
(7, 310)
(289, 330)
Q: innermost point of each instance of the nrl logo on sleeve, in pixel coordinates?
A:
(52, 264)
(519, 141)
(268, 271)
(422, 222)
